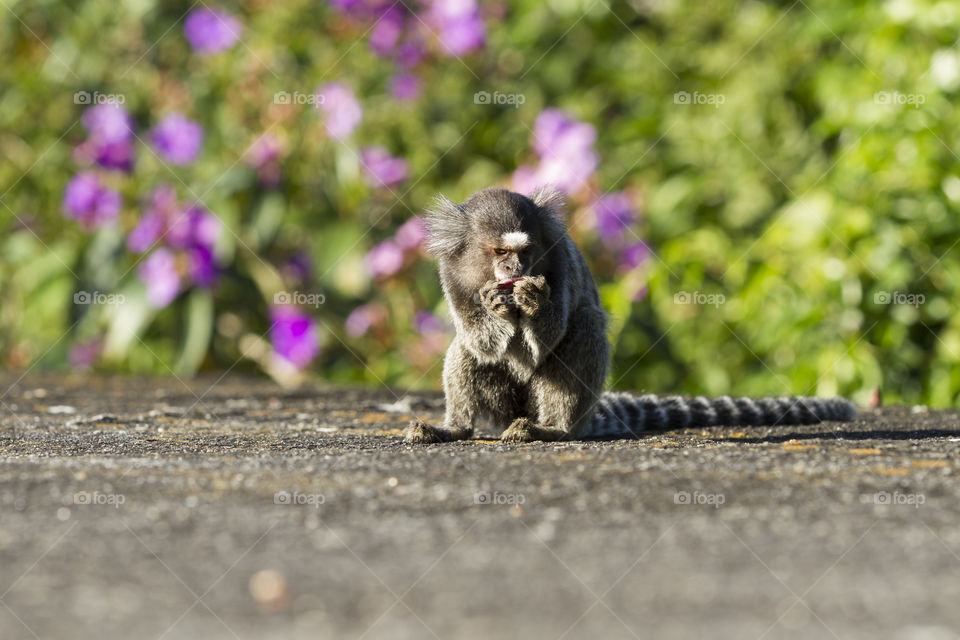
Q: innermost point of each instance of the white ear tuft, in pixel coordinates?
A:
(549, 198)
(447, 228)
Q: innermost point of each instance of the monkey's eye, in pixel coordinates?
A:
(500, 252)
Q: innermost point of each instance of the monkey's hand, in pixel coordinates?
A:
(531, 294)
(497, 301)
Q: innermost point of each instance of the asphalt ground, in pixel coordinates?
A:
(152, 508)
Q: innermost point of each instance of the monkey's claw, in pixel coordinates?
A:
(497, 301)
(531, 294)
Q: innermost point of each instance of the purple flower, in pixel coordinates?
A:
(193, 227)
(293, 335)
(340, 108)
(211, 30)
(362, 318)
(614, 213)
(567, 157)
(161, 206)
(381, 169)
(405, 86)
(203, 268)
(164, 219)
(385, 259)
(634, 255)
(411, 234)
(556, 133)
(525, 179)
(108, 122)
(86, 200)
(159, 273)
(83, 354)
(409, 54)
(459, 26)
(177, 138)
(111, 137)
(148, 229)
(387, 31)
(427, 323)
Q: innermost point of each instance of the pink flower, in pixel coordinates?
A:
(385, 259)
(211, 30)
(405, 86)
(381, 169)
(340, 108)
(411, 234)
(159, 273)
(567, 157)
(88, 201)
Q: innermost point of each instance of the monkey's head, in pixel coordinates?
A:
(495, 235)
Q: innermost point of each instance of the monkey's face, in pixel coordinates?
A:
(512, 254)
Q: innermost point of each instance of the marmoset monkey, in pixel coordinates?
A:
(531, 352)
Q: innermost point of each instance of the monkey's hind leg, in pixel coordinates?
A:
(471, 390)
(567, 385)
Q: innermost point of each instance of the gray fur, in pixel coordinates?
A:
(533, 360)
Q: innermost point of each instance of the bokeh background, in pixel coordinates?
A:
(766, 191)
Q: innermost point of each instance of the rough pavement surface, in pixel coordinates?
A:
(232, 509)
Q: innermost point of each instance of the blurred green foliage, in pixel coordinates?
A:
(825, 179)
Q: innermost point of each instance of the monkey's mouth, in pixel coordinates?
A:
(507, 283)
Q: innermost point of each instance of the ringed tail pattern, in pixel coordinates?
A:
(625, 415)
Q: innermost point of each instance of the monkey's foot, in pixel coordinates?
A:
(419, 432)
(523, 430)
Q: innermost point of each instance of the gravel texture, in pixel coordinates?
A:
(142, 508)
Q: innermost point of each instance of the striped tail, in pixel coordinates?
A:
(626, 415)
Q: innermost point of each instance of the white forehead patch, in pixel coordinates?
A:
(515, 240)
